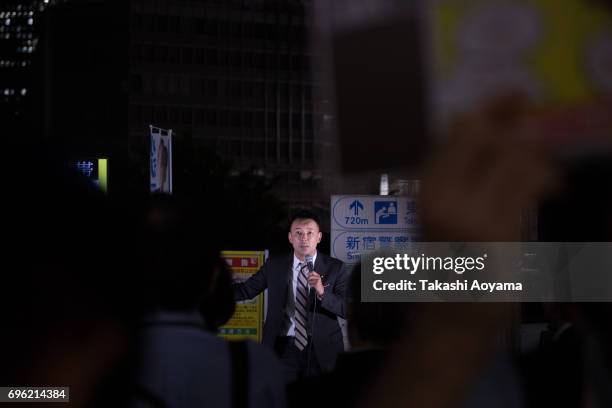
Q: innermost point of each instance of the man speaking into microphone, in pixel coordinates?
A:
(306, 294)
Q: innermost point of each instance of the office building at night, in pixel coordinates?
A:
(233, 76)
(19, 43)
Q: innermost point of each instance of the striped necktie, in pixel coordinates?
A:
(301, 300)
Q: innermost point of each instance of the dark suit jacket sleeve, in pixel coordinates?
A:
(252, 286)
(334, 300)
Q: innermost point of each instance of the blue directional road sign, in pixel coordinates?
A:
(367, 223)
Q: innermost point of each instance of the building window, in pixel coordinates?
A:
(173, 55)
(212, 58)
(136, 53)
(200, 117)
(247, 117)
(271, 32)
(200, 25)
(308, 94)
(136, 83)
(161, 54)
(296, 62)
(284, 94)
(260, 31)
(137, 22)
(223, 58)
(161, 115)
(136, 113)
(271, 120)
(308, 151)
(247, 89)
(148, 53)
(235, 59)
(161, 87)
(161, 23)
(258, 61)
(185, 86)
(259, 149)
(271, 148)
(284, 62)
(247, 148)
(296, 95)
(173, 85)
(235, 119)
(149, 22)
(210, 28)
(270, 63)
(258, 88)
(199, 56)
(223, 118)
(234, 89)
(187, 55)
(223, 29)
(147, 84)
(186, 116)
(296, 121)
(308, 121)
(173, 115)
(148, 114)
(211, 118)
(296, 150)
(235, 30)
(235, 147)
(175, 24)
(258, 120)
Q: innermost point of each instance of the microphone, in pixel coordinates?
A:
(309, 264)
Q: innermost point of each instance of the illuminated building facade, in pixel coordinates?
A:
(19, 41)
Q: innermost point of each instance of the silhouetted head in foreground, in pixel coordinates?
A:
(69, 307)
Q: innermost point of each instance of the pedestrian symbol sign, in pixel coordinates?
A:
(385, 212)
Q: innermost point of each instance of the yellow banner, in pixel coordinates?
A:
(557, 53)
(247, 321)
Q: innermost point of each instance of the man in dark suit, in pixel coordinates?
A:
(306, 294)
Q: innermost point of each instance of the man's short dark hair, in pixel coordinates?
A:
(304, 215)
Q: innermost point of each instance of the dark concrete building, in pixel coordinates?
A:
(234, 76)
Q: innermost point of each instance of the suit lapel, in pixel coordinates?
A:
(321, 267)
(287, 277)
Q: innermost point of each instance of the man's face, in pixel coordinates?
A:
(304, 237)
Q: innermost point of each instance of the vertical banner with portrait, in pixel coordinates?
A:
(161, 160)
(247, 321)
